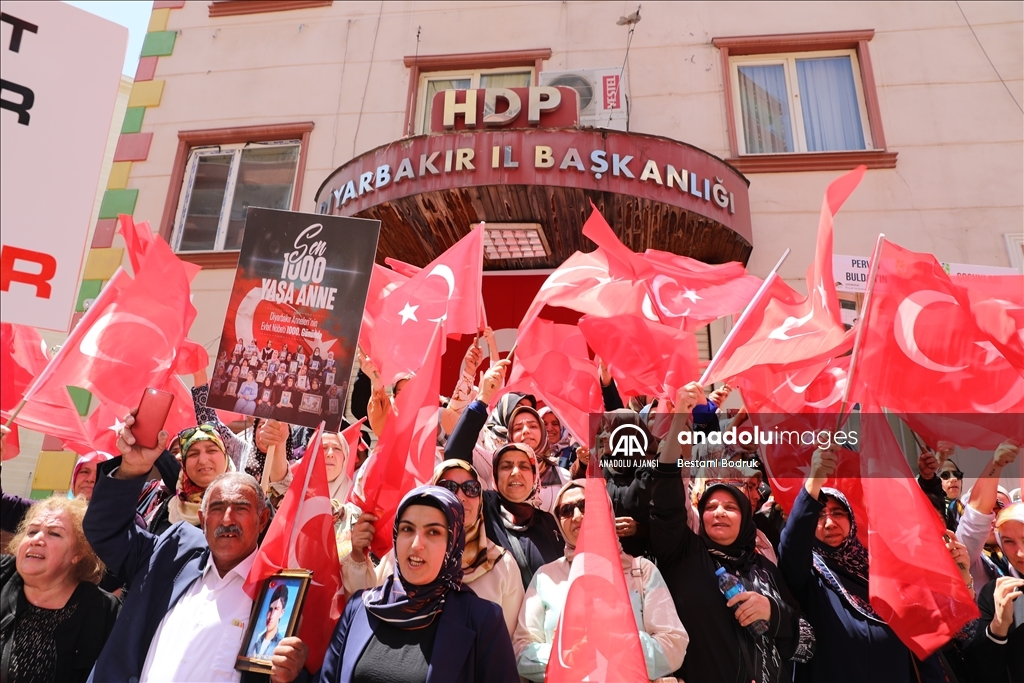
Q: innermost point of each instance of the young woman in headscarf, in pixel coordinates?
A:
(662, 636)
(526, 426)
(562, 448)
(488, 569)
(422, 625)
(722, 648)
(826, 567)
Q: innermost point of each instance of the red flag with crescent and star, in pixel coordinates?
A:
(784, 326)
(953, 381)
(301, 536)
(406, 452)
(446, 292)
(383, 281)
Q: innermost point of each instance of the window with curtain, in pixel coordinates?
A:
(433, 83)
(222, 181)
(801, 102)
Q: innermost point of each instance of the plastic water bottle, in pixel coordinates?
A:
(731, 587)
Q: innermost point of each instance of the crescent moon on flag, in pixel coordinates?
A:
(444, 272)
(903, 328)
(553, 282)
(1007, 402)
(90, 347)
(648, 309)
(656, 285)
(837, 390)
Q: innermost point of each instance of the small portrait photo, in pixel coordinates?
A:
(218, 385)
(329, 378)
(232, 389)
(267, 394)
(261, 375)
(311, 403)
(275, 616)
(301, 358)
(332, 406)
(302, 381)
(286, 398)
(293, 367)
(314, 365)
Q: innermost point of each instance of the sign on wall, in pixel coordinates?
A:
(61, 68)
(293, 318)
(851, 272)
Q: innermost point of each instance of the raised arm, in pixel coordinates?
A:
(463, 438)
(670, 531)
(795, 548)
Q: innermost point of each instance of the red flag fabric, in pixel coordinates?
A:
(552, 363)
(645, 358)
(137, 238)
(919, 327)
(383, 281)
(22, 357)
(129, 338)
(783, 326)
(997, 306)
(687, 293)
(405, 455)
(623, 260)
(302, 537)
(596, 638)
(914, 584)
(351, 436)
(401, 267)
(446, 291)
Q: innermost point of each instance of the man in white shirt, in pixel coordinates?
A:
(186, 613)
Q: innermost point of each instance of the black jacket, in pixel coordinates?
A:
(79, 639)
(991, 661)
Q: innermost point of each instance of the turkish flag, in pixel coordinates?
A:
(383, 281)
(954, 383)
(350, 436)
(687, 293)
(301, 536)
(914, 584)
(645, 358)
(997, 306)
(404, 269)
(596, 638)
(552, 363)
(405, 454)
(446, 292)
(781, 326)
(129, 338)
(624, 261)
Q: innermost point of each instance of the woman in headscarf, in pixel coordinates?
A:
(526, 426)
(422, 624)
(562, 448)
(826, 567)
(477, 434)
(488, 569)
(722, 648)
(662, 636)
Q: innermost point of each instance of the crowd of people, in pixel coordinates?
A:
(137, 574)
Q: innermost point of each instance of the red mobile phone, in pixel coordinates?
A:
(151, 415)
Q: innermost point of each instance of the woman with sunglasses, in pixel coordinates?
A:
(487, 569)
(422, 623)
(662, 636)
(826, 566)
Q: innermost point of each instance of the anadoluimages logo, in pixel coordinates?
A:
(628, 441)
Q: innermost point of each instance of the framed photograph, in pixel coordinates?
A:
(218, 385)
(261, 375)
(314, 365)
(311, 403)
(332, 406)
(286, 398)
(232, 389)
(329, 378)
(275, 616)
(293, 367)
(267, 393)
(302, 382)
(301, 358)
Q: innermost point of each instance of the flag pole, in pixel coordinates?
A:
(315, 443)
(862, 325)
(743, 318)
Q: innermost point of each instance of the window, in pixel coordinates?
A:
(221, 182)
(802, 102)
(218, 173)
(810, 102)
(435, 82)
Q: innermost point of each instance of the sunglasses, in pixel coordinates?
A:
(567, 510)
(190, 432)
(955, 474)
(470, 487)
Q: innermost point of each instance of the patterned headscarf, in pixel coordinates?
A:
(849, 560)
(405, 605)
(740, 554)
(495, 431)
(480, 554)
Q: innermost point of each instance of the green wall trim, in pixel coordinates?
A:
(158, 44)
(133, 120)
(90, 290)
(117, 202)
(81, 399)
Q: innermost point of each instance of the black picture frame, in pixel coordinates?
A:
(293, 583)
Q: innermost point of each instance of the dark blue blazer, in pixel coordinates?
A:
(472, 643)
(156, 569)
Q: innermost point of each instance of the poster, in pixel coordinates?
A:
(61, 68)
(293, 318)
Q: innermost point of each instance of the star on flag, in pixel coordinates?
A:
(408, 313)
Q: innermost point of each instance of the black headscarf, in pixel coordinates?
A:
(847, 561)
(501, 416)
(740, 554)
(516, 516)
(407, 606)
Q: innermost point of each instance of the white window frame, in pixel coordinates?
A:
(422, 106)
(192, 165)
(796, 116)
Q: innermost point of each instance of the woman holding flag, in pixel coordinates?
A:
(423, 623)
